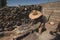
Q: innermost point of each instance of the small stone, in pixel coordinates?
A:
(51, 23)
(25, 8)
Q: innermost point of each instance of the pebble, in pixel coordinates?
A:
(51, 23)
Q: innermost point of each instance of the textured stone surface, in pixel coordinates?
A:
(13, 17)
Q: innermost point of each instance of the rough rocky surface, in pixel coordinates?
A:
(15, 23)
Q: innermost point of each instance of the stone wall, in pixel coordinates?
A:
(51, 8)
(52, 12)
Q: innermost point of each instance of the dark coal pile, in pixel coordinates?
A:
(10, 16)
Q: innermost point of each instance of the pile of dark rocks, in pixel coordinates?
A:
(11, 16)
